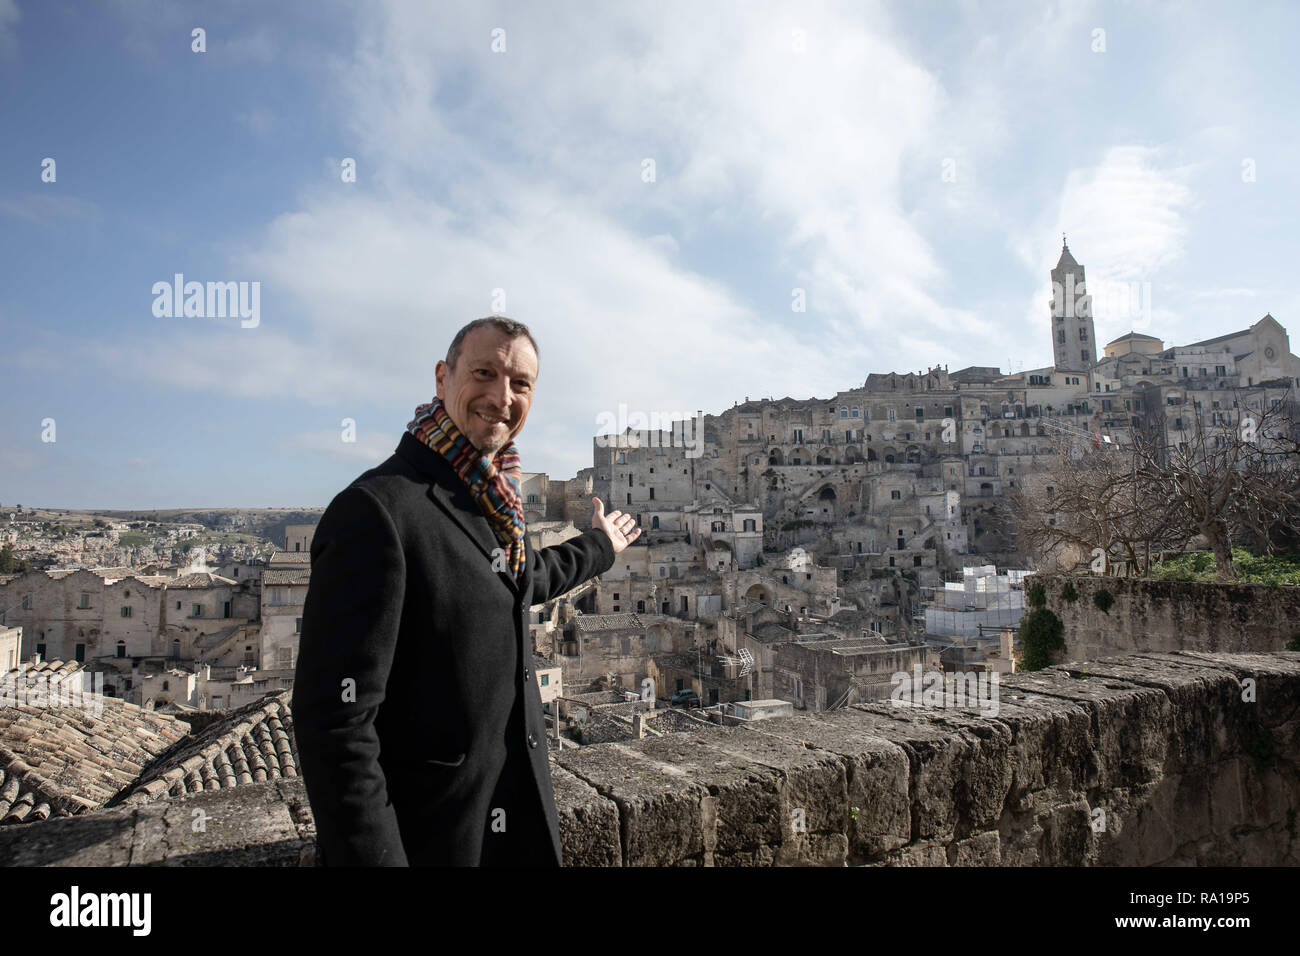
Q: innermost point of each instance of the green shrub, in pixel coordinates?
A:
(1036, 594)
(1278, 570)
(1294, 643)
(1068, 593)
(1104, 600)
(1041, 635)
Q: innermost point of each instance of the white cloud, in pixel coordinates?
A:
(369, 447)
(257, 119)
(9, 15)
(1126, 219)
(43, 209)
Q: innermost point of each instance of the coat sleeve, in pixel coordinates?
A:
(562, 567)
(350, 625)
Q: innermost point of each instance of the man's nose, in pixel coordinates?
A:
(502, 396)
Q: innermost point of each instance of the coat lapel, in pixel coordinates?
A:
(450, 494)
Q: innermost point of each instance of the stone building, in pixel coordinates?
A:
(830, 671)
(284, 592)
(297, 537)
(1074, 341)
(11, 640)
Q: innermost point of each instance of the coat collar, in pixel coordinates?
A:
(449, 492)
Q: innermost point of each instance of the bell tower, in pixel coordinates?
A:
(1074, 343)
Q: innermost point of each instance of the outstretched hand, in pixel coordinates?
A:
(621, 528)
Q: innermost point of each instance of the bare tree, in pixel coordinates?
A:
(1090, 499)
(1230, 475)
(1233, 478)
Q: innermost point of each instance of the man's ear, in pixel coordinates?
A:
(439, 373)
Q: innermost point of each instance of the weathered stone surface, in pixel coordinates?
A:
(661, 808)
(589, 825)
(1151, 760)
(1151, 616)
(877, 808)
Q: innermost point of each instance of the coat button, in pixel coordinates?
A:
(532, 740)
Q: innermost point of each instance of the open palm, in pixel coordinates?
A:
(621, 528)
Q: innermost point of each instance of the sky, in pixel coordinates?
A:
(655, 189)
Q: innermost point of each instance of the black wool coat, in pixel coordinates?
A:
(416, 710)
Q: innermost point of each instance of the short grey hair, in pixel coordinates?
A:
(506, 326)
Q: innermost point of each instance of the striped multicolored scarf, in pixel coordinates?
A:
(493, 482)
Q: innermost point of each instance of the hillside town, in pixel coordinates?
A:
(796, 555)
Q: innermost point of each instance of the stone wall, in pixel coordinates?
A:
(1171, 616)
(1152, 759)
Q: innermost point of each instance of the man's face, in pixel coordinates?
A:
(490, 390)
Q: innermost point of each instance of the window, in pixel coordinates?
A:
(121, 648)
(1220, 370)
(891, 414)
(920, 414)
(1083, 334)
(652, 494)
(855, 413)
(167, 685)
(798, 436)
(916, 561)
(126, 610)
(27, 602)
(546, 679)
(297, 626)
(196, 610)
(81, 653)
(895, 495)
(1060, 335)
(285, 657)
(85, 600)
(615, 595)
(40, 651)
(178, 605)
(844, 413)
(947, 411)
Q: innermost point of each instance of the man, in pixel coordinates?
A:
(416, 711)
